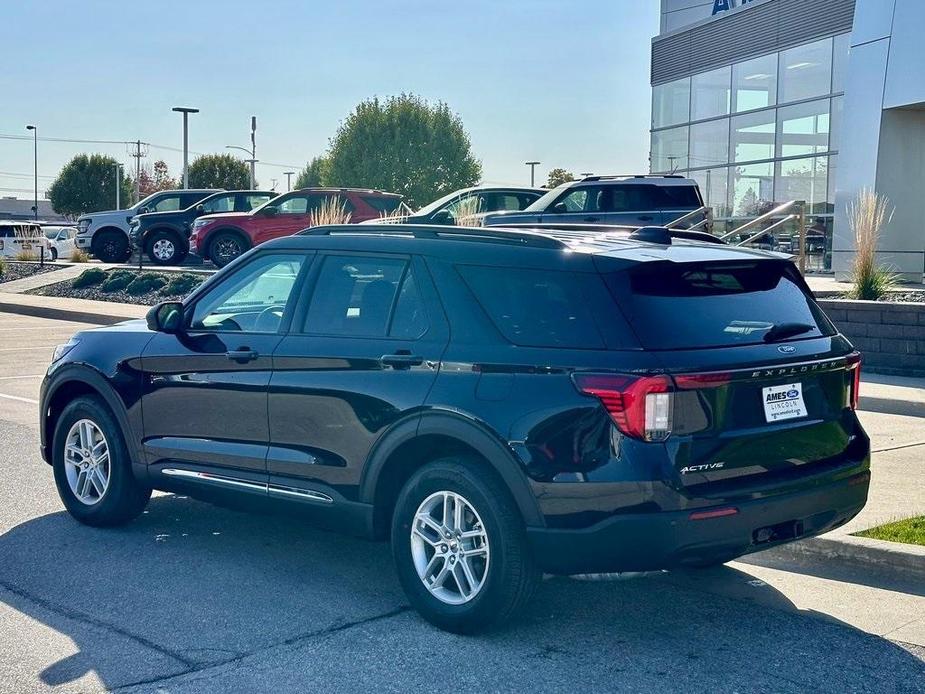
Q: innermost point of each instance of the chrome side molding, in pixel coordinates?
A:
(296, 492)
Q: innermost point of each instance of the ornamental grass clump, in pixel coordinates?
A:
(332, 211)
(866, 215)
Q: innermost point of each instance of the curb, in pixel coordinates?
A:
(896, 557)
(66, 314)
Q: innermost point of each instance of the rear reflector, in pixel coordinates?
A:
(714, 513)
(854, 388)
(696, 381)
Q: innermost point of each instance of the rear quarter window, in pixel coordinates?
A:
(698, 305)
(680, 197)
(542, 308)
(382, 204)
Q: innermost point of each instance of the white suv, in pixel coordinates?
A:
(105, 234)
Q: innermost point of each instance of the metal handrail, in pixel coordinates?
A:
(758, 220)
(762, 232)
(799, 215)
(704, 210)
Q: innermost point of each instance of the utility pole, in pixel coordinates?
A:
(253, 151)
(533, 165)
(185, 111)
(288, 175)
(118, 168)
(137, 155)
(35, 164)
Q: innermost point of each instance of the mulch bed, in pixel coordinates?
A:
(14, 270)
(95, 293)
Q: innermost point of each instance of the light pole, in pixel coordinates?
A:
(35, 166)
(288, 175)
(532, 165)
(185, 112)
(252, 161)
(118, 168)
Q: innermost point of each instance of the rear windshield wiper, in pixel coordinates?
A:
(781, 331)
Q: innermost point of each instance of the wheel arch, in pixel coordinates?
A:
(237, 231)
(429, 436)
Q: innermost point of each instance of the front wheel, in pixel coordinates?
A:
(112, 247)
(92, 468)
(459, 547)
(53, 253)
(225, 247)
(165, 248)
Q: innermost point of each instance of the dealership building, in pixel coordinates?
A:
(767, 101)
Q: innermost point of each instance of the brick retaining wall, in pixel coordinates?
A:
(891, 337)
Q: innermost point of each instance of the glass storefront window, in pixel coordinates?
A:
(751, 189)
(710, 93)
(803, 179)
(805, 71)
(803, 129)
(840, 61)
(830, 195)
(669, 150)
(713, 187)
(754, 83)
(710, 143)
(835, 124)
(753, 136)
(671, 103)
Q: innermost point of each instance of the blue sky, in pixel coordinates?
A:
(564, 82)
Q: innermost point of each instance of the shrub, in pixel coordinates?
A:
(78, 255)
(117, 281)
(88, 278)
(866, 216)
(332, 211)
(144, 283)
(181, 284)
(26, 255)
(2, 267)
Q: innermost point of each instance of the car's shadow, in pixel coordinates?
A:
(188, 585)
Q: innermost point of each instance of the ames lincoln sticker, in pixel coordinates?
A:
(726, 5)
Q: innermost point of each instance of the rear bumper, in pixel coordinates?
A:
(653, 541)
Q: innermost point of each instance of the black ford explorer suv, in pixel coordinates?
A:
(164, 236)
(500, 403)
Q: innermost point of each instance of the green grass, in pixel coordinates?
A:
(909, 530)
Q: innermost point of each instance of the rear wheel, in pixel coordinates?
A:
(53, 253)
(92, 468)
(459, 547)
(111, 247)
(225, 247)
(166, 248)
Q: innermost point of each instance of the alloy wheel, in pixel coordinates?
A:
(163, 249)
(226, 249)
(449, 547)
(86, 461)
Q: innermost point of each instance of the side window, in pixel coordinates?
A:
(467, 205)
(223, 203)
(315, 202)
(253, 299)
(538, 308)
(354, 296)
(409, 320)
(680, 197)
(295, 205)
(507, 201)
(169, 203)
(575, 200)
(626, 198)
(246, 203)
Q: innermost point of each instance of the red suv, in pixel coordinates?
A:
(223, 237)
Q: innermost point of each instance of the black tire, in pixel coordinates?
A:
(168, 240)
(111, 247)
(225, 246)
(53, 254)
(124, 497)
(510, 577)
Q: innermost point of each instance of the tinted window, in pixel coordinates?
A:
(248, 202)
(537, 308)
(629, 198)
(409, 320)
(169, 203)
(297, 204)
(382, 204)
(253, 299)
(223, 203)
(676, 197)
(677, 306)
(354, 296)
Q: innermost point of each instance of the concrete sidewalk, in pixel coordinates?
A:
(60, 308)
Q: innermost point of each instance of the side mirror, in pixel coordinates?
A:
(270, 211)
(166, 317)
(559, 208)
(200, 209)
(441, 217)
(143, 210)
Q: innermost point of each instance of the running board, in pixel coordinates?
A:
(238, 483)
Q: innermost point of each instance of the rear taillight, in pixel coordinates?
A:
(853, 366)
(640, 406)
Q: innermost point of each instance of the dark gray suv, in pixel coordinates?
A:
(614, 200)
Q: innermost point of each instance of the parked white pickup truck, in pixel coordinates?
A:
(105, 234)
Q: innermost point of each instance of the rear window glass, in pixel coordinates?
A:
(685, 306)
(680, 197)
(539, 308)
(382, 204)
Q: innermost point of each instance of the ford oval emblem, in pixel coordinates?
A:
(786, 349)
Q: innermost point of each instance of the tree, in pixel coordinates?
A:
(557, 177)
(219, 171)
(314, 174)
(405, 145)
(161, 180)
(87, 183)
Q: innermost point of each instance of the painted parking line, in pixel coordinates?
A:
(14, 378)
(19, 399)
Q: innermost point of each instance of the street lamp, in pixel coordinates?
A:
(289, 175)
(185, 112)
(252, 161)
(532, 165)
(35, 166)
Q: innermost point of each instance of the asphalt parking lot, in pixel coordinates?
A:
(196, 598)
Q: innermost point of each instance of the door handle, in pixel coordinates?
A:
(242, 355)
(592, 219)
(401, 361)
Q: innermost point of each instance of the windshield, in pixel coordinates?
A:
(440, 202)
(546, 200)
